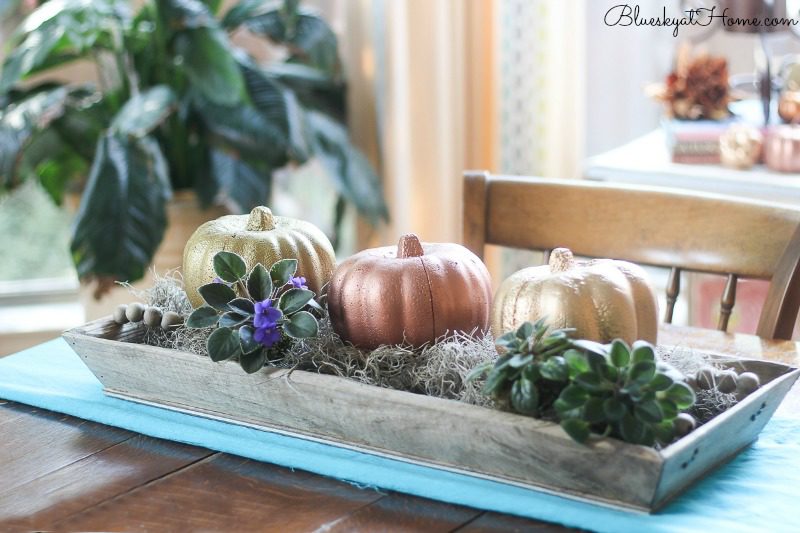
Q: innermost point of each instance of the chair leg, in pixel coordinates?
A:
(673, 289)
(727, 302)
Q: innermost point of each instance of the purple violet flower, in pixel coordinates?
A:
(266, 315)
(267, 336)
(298, 282)
(217, 279)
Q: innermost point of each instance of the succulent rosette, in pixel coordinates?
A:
(610, 389)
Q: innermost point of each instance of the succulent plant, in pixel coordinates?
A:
(609, 389)
(531, 371)
(257, 313)
(622, 391)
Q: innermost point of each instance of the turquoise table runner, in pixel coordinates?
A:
(757, 491)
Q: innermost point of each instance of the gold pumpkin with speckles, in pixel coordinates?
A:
(602, 299)
(259, 237)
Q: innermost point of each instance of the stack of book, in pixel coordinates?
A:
(697, 141)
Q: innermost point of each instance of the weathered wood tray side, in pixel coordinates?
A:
(420, 429)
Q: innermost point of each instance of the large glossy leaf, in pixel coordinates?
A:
(29, 56)
(60, 31)
(313, 88)
(181, 14)
(352, 174)
(85, 118)
(53, 162)
(144, 111)
(308, 37)
(122, 215)
(280, 108)
(205, 183)
(247, 9)
(19, 122)
(239, 181)
(244, 129)
(207, 58)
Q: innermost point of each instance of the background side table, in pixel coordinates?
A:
(646, 161)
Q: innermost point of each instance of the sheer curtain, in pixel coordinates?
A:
(438, 87)
(420, 104)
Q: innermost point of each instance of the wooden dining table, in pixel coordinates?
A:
(62, 473)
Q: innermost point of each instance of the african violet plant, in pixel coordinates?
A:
(178, 105)
(256, 314)
(611, 390)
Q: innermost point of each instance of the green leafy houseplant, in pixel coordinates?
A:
(255, 314)
(177, 106)
(611, 390)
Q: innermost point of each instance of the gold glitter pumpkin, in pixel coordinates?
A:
(602, 299)
(259, 237)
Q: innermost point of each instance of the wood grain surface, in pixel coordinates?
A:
(82, 476)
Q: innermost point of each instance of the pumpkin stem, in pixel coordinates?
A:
(260, 219)
(561, 260)
(409, 246)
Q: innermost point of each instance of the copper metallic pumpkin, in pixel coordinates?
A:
(782, 149)
(259, 237)
(602, 299)
(412, 293)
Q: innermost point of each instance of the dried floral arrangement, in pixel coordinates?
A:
(698, 88)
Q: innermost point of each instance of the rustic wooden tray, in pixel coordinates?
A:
(423, 430)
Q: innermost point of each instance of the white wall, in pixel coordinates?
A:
(620, 62)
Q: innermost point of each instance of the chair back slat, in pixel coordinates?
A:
(699, 232)
(677, 229)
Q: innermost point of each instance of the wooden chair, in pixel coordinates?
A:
(663, 227)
